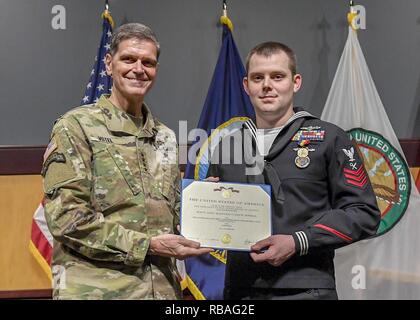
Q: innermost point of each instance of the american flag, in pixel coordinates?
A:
(99, 82)
(41, 243)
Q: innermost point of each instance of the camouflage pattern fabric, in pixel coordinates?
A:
(110, 185)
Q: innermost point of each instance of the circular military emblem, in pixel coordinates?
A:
(302, 162)
(226, 239)
(302, 152)
(388, 173)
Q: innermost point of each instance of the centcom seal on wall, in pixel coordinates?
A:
(388, 173)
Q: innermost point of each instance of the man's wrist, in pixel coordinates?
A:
(301, 243)
(152, 246)
(138, 252)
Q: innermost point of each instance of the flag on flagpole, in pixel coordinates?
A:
(41, 243)
(226, 108)
(386, 266)
(415, 172)
(99, 82)
(418, 181)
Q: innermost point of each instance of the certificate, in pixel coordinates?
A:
(229, 216)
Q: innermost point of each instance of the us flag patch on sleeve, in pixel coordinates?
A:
(50, 149)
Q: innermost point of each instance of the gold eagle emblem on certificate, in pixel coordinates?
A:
(226, 192)
(226, 239)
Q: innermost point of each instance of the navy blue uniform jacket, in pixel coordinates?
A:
(324, 206)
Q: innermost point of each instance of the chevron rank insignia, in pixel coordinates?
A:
(354, 172)
(356, 178)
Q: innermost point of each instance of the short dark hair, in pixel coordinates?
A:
(132, 30)
(267, 49)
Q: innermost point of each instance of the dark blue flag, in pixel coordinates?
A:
(227, 107)
(226, 104)
(99, 82)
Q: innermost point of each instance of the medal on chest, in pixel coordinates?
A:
(304, 137)
(302, 160)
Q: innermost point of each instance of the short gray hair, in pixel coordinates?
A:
(132, 30)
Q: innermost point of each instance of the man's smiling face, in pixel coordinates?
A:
(270, 84)
(133, 68)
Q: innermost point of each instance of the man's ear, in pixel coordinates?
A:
(245, 84)
(297, 80)
(108, 64)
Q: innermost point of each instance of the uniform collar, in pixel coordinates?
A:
(118, 121)
(299, 112)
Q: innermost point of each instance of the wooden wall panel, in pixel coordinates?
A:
(19, 197)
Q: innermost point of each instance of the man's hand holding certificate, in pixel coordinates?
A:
(225, 215)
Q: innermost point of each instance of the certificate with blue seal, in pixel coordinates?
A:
(230, 216)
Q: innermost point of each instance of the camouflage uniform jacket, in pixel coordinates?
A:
(109, 187)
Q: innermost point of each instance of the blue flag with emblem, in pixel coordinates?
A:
(226, 108)
(99, 82)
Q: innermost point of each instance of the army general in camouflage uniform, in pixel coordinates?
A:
(111, 183)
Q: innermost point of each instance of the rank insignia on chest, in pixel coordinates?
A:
(105, 139)
(311, 135)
